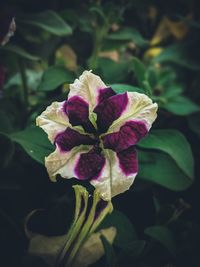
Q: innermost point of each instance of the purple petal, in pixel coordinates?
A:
(109, 110)
(105, 93)
(71, 138)
(78, 112)
(129, 134)
(128, 161)
(89, 165)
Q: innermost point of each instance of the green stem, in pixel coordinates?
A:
(99, 35)
(86, 220)
(89, 226)
(81, 196)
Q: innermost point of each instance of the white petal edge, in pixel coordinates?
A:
(112, 180)
(140, 108)
(87, 87)
(64, 163)
(53, 120)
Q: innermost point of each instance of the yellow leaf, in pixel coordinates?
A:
(66, 55)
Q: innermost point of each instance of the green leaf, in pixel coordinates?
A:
(128, 34)
(152, 76)
(33, 79)
(194, 123)
(175, 145)
(5, 122)
(172, 92)
(147, 88)
(122, 88)
(49, 21)
(139, 71)
(19, 52)
(54, 77)
(135, 248)
(111, 71)
(162, 235)
(110, 45)
(161, 169)
(34, 141)
(181, 106)
(178, 54)
(7, 150)
(125, 230)
(109, 251)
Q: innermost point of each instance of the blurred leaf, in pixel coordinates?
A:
(125, 230)
(139, 71)
(135, 248)
(147, 88)
(178, 54)
(109, 252)
(172, 91)
(194, 123)
(49, 21)
(35, 143)
(111, 71)
(19, 52)
(175, 145)
(33, 79)
(178, 29)
(161, 33)
(159, 168)
(122, 88)
(167, 76)
(5, 123)
(152, 76)
(93, 249)
(128, 34)
(163, 235)
(54, 77)
(47, 247)
(110, 45)
(7, 150)
(168, 27)
(152, 52)
(181, 106)
(67, 57)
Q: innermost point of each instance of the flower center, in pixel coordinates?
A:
(97, 146)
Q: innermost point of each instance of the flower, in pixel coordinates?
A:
(95, 131)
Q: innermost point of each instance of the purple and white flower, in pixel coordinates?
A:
(95, 132)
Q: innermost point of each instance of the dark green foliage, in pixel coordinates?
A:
(157, 220)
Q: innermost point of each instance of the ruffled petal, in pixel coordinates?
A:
(110, 110)
(53, 120)
(118, 173)
(105, 93)
(71, 138)
(139, 111)
(77, 111)
(89, 165)
(64, 163)
(129, 134)
(91, 89)
(111, 173)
